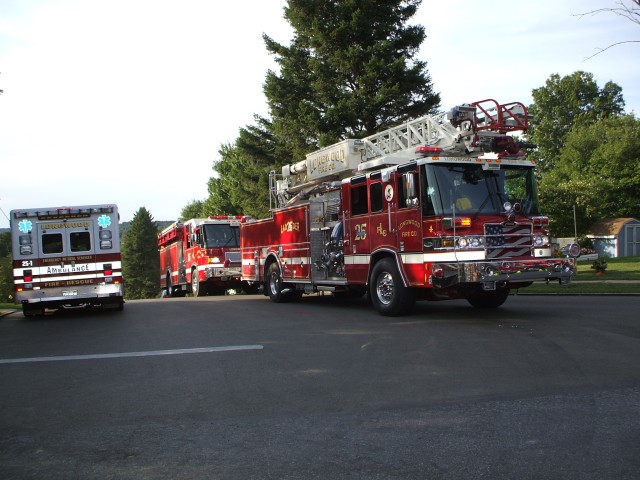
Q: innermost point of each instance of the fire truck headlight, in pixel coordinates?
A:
(470, 242)
(214, 260)
(476, 242)
(541, 240)
(462, 242)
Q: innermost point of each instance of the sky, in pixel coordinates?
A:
(130, 101)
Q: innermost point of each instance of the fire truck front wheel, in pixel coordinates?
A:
(387, 291)
(489, 299)
(197, 290)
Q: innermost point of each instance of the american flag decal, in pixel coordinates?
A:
(507, 240)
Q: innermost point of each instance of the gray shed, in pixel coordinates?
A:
(616, 237)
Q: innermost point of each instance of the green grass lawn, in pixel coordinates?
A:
(618, 269)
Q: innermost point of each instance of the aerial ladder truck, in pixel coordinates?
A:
(441, 207)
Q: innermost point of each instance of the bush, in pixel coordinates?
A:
(599, 264)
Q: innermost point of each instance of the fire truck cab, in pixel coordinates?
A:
(442, 207)
(201, 256)
(65, 257)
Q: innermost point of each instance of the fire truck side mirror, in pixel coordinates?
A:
(194, 239)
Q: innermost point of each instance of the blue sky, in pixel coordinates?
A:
(129, 101)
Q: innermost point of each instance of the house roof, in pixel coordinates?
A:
(609, 226)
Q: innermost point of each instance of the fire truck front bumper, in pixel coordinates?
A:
(223, 273)
(492, 273)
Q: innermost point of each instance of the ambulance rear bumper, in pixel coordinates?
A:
(80, 295)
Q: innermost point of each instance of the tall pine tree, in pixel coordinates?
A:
(140, 258)
(350, 71)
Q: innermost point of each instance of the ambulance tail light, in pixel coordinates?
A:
(108, 269)
(28, 276)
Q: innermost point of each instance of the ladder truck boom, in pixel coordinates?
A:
(465, 129)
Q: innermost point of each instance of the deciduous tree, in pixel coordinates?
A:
(598, 171)
(564, 103)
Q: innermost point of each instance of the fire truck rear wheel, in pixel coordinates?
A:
(387, 291)
(278, 291)
(274, 284)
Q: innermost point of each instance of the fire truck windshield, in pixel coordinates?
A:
(221, 235)
(468, 189)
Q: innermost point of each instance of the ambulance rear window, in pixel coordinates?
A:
(80, 241)
(51, 243)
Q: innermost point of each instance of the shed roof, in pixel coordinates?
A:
(609, 226)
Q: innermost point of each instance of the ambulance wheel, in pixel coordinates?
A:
(197, 290)
(490, 299)
(387, 291)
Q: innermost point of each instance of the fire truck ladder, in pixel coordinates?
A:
(430, 130)
(467, 128)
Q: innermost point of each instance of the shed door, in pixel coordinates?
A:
(632, 240)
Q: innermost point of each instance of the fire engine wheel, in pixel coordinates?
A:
(275, 286)
(196, 289)
(491, 299)
(387, 291)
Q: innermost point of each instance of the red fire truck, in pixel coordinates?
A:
(442, 207)
(67, 256)
(202, 256)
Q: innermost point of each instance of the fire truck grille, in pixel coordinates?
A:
(233, 257)
(508, 240)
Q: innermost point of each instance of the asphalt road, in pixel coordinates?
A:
(241, 388)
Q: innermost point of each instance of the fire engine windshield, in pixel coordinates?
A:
(221, 235)
(468, 189)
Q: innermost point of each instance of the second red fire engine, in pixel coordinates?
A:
(202, 256)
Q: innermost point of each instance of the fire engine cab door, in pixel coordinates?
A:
(67, 256)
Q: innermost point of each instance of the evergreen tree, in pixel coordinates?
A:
(349, 72)
(6, 268)
(140, 258)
